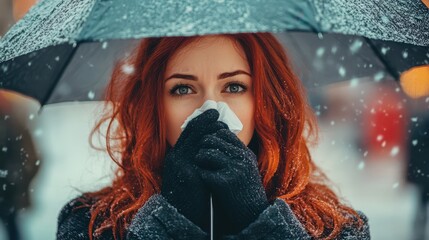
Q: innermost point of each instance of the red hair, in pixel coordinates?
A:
(284, 125)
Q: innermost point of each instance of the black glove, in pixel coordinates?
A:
(182, 185)
(230, 170)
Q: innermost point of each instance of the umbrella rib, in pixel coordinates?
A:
(389, 68)
(298, 18)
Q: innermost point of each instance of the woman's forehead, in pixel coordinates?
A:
(208, 51)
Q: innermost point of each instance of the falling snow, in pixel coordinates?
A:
(379, 76)
(38, 132)
(356, 46)
(354, 82)
(3, 173)
(394, 151)
(361, 165)
(384, 50)
(4, 68)
(342, 71)
(127, 69)
(91, 95)
(320, 51)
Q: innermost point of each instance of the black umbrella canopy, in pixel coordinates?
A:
(43, 55)
(320, 59)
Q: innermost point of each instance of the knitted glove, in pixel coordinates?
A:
(230, 170)
(182, 185)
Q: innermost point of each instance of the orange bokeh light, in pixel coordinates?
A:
(415, 81)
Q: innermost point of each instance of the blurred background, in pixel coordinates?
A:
(374, 146)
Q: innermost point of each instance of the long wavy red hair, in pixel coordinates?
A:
(284, 126)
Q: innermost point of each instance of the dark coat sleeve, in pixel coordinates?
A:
(73, 221)
(157, 219)
(279, 222)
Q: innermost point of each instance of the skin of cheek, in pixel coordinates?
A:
(244, 109)
(176, 114)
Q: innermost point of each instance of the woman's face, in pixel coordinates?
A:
(211, 68)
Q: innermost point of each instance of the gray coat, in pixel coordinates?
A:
(157, 219)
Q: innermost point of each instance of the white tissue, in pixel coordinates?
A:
(226, 115)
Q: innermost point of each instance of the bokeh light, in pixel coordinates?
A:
(415, 81)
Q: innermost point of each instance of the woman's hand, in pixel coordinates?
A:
(182, 185)
(230, 169)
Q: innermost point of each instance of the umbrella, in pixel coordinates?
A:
(46, 53)
(39, 50)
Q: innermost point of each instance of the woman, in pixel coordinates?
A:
(263, 181)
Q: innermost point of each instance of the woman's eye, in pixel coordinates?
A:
(181, 90)
(235, 88)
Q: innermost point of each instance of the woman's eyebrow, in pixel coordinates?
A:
(231, 74)
(183, 76)
(220, 76)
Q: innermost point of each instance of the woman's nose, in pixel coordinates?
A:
(212, 95)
